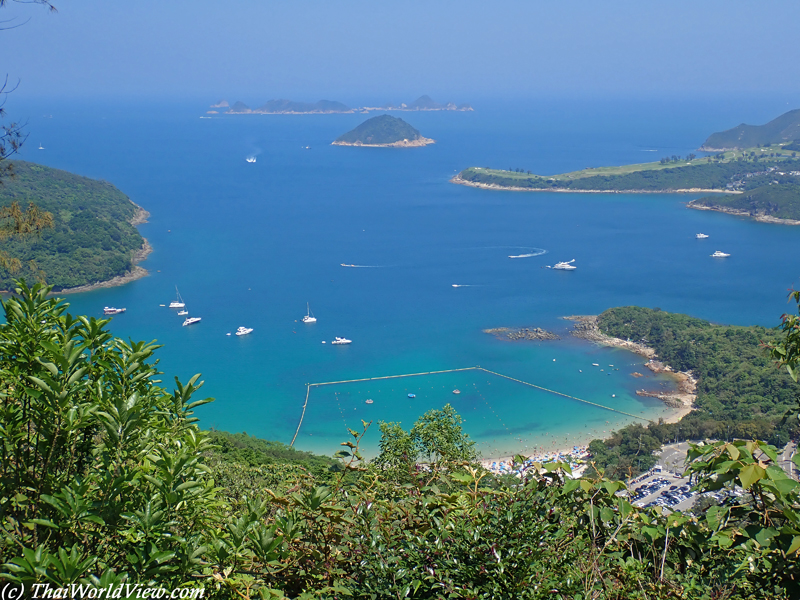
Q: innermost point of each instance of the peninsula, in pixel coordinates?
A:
(782, 130)
(94, 241)
(383, 131)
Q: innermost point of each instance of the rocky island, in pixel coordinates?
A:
(325, 107)
(522, 333)
(383, 131)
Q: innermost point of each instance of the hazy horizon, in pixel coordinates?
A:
(361, 52)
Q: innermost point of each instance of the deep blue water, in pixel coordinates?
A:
(250, 244)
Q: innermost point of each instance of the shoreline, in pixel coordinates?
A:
(136, 272)
(738, 212)
(682, 401)
(418, 143)
(493, 186)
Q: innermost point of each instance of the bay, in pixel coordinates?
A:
(251, 244)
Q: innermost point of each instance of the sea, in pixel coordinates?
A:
(255, 243)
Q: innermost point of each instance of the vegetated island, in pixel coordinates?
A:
(383, 131)
(323, 107)
(94, 241)
(766, 175)
(728, 386)
(782, 130)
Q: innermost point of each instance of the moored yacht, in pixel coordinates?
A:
(244, 330)
(110, 310)
(309, 318)
(183, 312)
(701, 236)
(178, 302)
(719, 254)
(191, 321)
(340, 341)
(565, 266)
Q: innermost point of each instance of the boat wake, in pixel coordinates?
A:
(363, 266)
(530, 252)
(464, 285)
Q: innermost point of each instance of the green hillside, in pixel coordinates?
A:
(383, 129)
(778, 131)
(92, 240)
(781, 201)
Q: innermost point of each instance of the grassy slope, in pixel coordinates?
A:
(782, 129)
(383, 129)
(92, 239)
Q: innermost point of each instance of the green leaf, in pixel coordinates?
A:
(795, 545)
(750, 475)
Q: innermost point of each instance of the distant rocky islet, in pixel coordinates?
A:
(291, 107)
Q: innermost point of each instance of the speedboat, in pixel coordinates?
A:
(183, 312)
(719, 254)
(340, 341)
(456, 391)
(110, 310)
(251, 159)
(178, 302)
(701, 236)
(191, 321)
(309, 318)
(244, 330)
(368, 401)
(565, 266)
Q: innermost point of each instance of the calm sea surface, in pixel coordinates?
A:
(251, 244)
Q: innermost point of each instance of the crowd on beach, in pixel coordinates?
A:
(577, 458)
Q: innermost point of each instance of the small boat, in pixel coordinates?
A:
(191, 321)
(340, 341)
(251, 159)
(412, 395)
(244, 330)
(456, 391)
(183, 312)
(719, 254)
(309, 318)
(178, 302)
(595, 364)
(368, 401)
(110, 310)
(41, 147)
(565, 266)
(701, 236)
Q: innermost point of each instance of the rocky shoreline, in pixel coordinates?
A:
(523, 333)
(586, 328)
(419, 142)
(492, 186)
(743, 213)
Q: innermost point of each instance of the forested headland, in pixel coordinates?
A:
(740, 392)
(107, 480)
(92, 239)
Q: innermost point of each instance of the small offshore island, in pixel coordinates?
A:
(383, 131)
(760, 177)
(328, 107)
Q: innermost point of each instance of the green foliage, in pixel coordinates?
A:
(105, 478)
(787, 126)
(781, 201)
(383, 129)
(92, 239)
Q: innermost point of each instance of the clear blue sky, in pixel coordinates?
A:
(255, 50)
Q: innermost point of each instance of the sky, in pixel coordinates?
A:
(255, 50)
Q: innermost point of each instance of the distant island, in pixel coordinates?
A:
(94, 242)
(766, 175)
(383, 131)
(324, 107)
(783, 130)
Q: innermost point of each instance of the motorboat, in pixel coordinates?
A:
(244, 330)
(456, 391)
(701, 236)
(251, 159)
(191, 321)
(183, 312)
(368, 401)
(412, 395)
(719, 254)
(340, 341)
(309, 318)
(565, 266)
(178, 302)
(110, 310)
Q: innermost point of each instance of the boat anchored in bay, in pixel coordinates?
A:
(178, 302)
(192, 321)
(244, 331)
(719, 254)
(340, 341)
(701, 236)
(110, 310)
(309, 318)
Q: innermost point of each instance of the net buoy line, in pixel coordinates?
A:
(533, 385)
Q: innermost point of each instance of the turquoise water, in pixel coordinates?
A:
(250, 244)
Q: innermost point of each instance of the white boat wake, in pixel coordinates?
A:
(363, 266)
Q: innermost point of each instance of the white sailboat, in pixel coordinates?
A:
(178, 302)
(309, 318)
